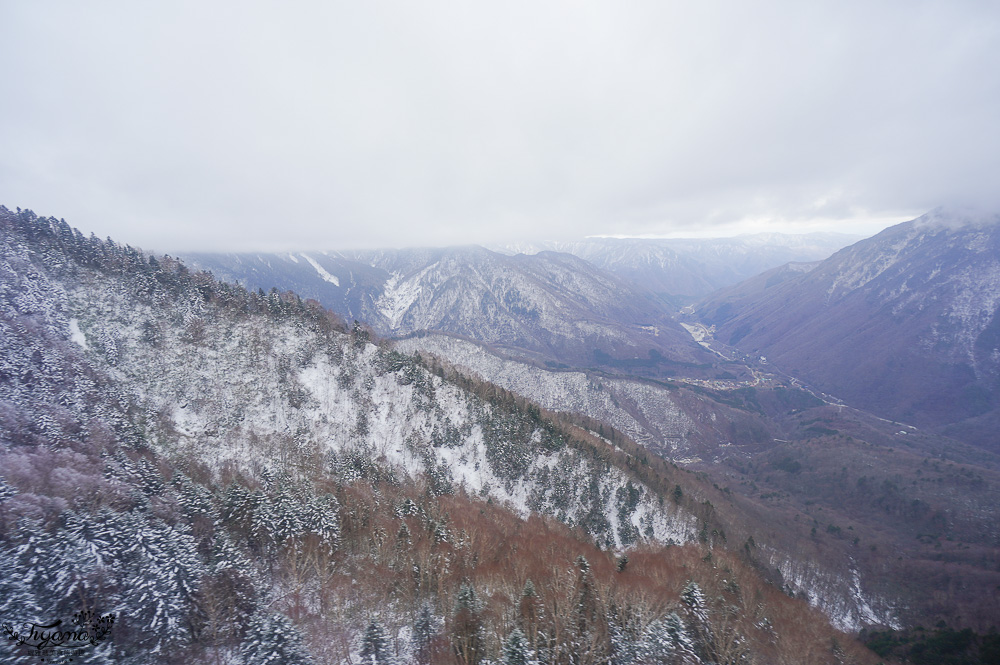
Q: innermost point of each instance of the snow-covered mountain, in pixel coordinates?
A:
(220, 375)
(906, 324)
(800, 462)
(234, 477)
(111, 352)
(671, 420)
(549, 306)
(244, 454)
(681, 269)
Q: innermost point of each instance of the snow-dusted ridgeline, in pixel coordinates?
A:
(663, 424)
(224, 389)
(655, 420)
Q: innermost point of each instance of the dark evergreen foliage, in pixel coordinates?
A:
(271, 639)
(376, 649)
(103, 506)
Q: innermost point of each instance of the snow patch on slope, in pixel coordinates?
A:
(849, 607)
(322, 272)
(864, 269)
(76, 335)
(398, 295)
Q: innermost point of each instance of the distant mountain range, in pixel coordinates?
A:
(905, 324)
(537, 386)
(229, 476)
(596, 303)
(679, 270)
(550, 307)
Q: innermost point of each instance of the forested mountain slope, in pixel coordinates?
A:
(549, 306)
(236, 477)
(841, 494)
(904, 324)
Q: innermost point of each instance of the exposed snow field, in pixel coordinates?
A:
(76, 335)
(327, 277)
(398, 296)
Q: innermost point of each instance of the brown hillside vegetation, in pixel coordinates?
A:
(304, 545)
(402, 545)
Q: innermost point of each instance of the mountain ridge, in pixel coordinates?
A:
(266, 368)
(214, 503)
(549, 306)
(903, 322)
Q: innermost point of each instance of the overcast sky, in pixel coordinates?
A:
(213, 125)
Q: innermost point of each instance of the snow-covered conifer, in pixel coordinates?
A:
(516, 650)
(162, 571)
(55, 567)
(226, 555)
(6, 491)
(17, 601)
(322, 518)
(97, 533)
(283, 521)
(467, 626)
(376, 649)
(694, 598)
(697, 611)
(272, 639)
(194, 498)
(425, 628)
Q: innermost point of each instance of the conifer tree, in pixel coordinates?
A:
(162, 571)
(681, 640)
(55, 568)
(467, 627)
(322, 519)
(18, 608)
(375, 646)
(272, 639)
(424, 630)
(238, 507)
(697, 611)
(585, 611)
(623, 628)
(6, 491)
(194, 498)
(516, 650)
(96, 533)
(48, 577)
(227, 556)
(283, 521)
(150, 479)
(228, 591)
(530, 615)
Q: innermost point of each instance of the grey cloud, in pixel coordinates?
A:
(248, 125)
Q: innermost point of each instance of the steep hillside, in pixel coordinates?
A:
(203, 474)
(828, 494)
(548, 306)
(676, 420)
(206, 377)
(904, 323)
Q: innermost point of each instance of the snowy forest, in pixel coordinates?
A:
(198, 473)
